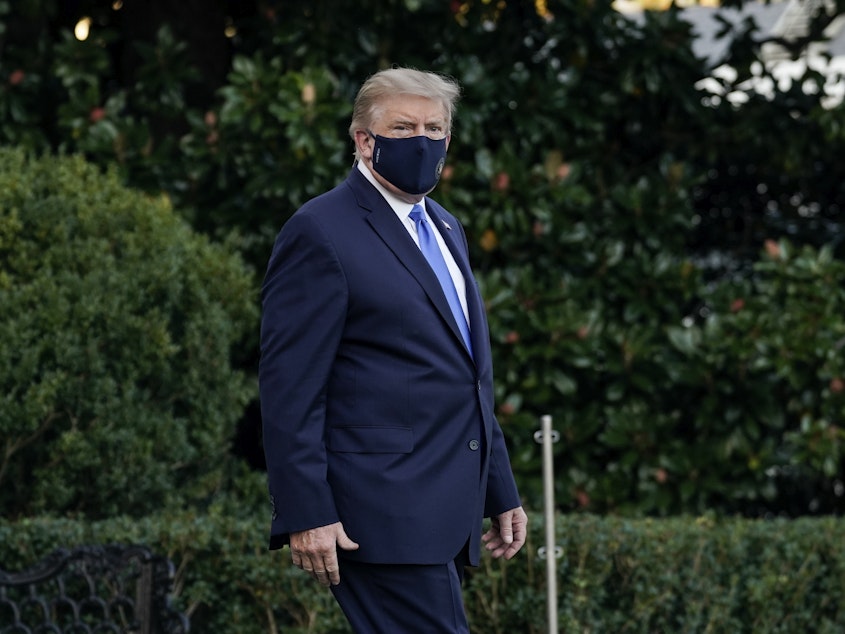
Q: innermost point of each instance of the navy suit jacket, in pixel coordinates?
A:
(374, 413)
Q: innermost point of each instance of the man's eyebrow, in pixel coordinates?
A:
(410, 121)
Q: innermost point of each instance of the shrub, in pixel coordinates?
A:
(117, 323)
(638, 576)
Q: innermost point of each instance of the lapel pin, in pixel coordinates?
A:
(446, 224)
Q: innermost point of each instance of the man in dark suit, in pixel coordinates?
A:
(383, 450)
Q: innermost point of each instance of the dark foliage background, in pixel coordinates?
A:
(663, 269)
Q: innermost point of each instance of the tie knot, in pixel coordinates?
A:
(417, 214)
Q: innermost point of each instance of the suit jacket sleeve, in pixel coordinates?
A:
(502, 493)
(304, 302)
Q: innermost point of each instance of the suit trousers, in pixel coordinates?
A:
(402, 598)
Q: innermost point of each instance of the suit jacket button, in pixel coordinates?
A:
(474, 445)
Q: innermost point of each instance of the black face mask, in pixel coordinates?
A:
(413, 164)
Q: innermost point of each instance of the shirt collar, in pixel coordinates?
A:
(400, 207)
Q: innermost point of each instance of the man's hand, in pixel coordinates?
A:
(315, 551)
(507, 533)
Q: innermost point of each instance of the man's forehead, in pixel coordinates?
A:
(411, 108)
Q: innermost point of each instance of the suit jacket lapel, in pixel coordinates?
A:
(385, 223)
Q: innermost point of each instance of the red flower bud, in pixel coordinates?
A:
(97, 114)
(563, 171)
(502, 181)
(772, 249)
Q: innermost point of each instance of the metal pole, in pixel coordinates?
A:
(548, 438)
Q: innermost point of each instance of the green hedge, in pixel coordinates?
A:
(677, 575)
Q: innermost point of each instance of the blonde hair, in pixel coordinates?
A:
(402, 81)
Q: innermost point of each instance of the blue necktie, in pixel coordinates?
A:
(431, 251)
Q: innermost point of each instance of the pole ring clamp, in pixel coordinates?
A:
(541, 552)
(554, 435)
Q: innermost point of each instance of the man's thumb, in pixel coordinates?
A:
(344, 542)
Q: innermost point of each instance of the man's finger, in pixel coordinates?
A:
(333, 574)
(506, 528)
(322, 577)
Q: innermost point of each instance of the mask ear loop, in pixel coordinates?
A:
(373, 136)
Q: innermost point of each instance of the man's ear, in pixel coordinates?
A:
(364, 144)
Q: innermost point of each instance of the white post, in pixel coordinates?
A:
(551, 551)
